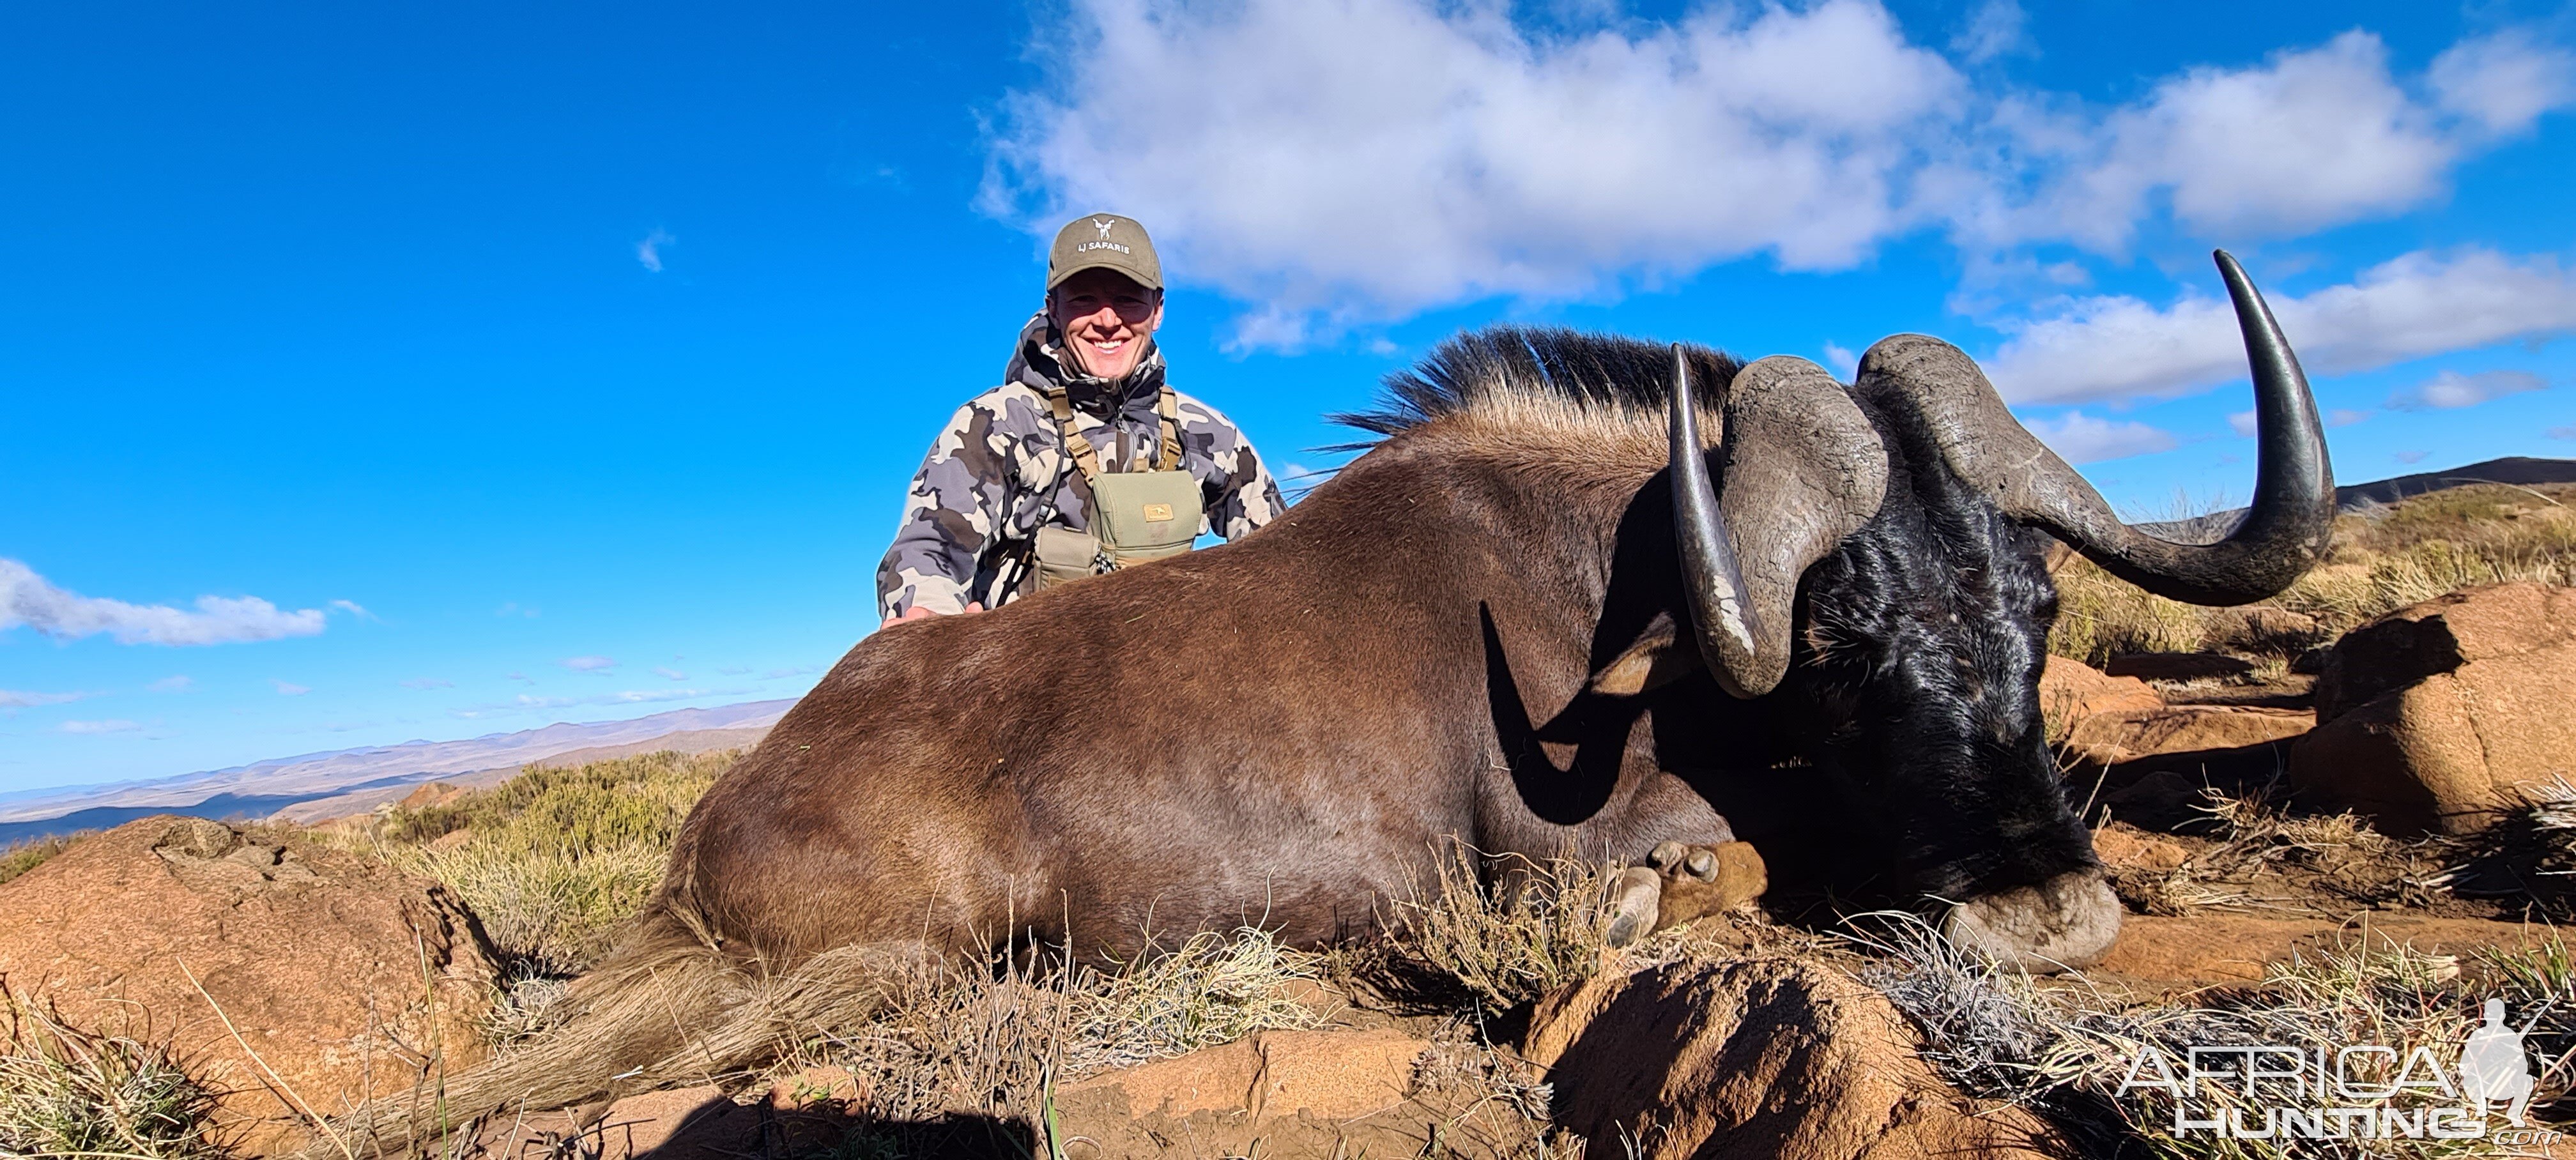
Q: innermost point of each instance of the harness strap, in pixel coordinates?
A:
(1087, 457)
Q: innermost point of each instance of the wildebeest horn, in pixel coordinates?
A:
(1802, 469)
(2283, 535)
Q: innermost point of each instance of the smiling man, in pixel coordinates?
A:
(1084, 460)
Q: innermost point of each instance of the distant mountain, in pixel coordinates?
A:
(2517, 470)
(266, 787)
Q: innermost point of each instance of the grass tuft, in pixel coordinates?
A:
(71, 1092)
(1459, 944)
(955, 1037)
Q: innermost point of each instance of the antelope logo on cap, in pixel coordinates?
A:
(1103, 226)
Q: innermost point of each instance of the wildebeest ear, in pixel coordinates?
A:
(1660, 657)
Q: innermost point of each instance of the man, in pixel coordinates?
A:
(1084, 460)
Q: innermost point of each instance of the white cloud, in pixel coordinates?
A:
(29, 599)
(2345, 417)
(351, 607)
(587, 664)
(1359, 160)
(2311, 138)
(428, 683)
(1841, 361)
(177, 684)
(648, 253)
(2566, 432)
(1379, 156)
(10, 699)
(2502, 82)
(290, 688)
(1994, 30)
(668, 673)
(733, 670)
(2421, 304)
(2082, 438)
(2451, 389)
(2409, 457)
(789, 671)
(98, 727)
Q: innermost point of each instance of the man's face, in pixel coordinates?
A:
(1105, 318)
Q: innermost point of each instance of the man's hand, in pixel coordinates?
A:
(920, 612)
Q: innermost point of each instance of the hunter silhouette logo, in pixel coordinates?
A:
(2493, 1066)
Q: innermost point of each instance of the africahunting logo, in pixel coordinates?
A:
(2362, 1091)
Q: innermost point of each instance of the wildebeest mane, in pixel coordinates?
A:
(1501, 366)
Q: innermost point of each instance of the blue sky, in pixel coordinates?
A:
(396, 371)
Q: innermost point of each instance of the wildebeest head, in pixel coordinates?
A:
(1885, 539)
(1868, 563)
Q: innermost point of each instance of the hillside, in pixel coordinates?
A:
(267, 787)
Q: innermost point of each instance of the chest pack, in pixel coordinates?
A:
(1136, 515)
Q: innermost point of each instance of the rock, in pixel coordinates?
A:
(2072, 690)
(1757, 1060)
(345, 977)
(2115, 738)
(806, 1114)
(2434, 715)
(2260, 628)
(2441, 635)
(2124, 849)
(436, 793)
(1328, 1074)
(2178, 666)
(2202, 949)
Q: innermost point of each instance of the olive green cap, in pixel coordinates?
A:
(1104, 241)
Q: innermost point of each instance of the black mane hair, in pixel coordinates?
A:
(1605, 372)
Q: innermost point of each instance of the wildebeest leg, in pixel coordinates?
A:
(1698, 881)
(1679, 883)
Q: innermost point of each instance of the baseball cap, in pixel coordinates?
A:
(1104, 241)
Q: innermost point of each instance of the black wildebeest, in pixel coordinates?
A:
(1541, 613)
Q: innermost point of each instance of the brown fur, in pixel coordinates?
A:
(1279, 731)
(1275, 731)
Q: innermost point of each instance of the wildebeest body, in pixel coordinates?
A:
(1277, 731)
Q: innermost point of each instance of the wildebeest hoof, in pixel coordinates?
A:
(2066, 922)
(1632, 898)
(1703, 880)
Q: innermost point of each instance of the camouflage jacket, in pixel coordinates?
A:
(998, 473)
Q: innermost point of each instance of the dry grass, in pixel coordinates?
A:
(121, 1094)
(2381, 560)
(957, 1037)
(2270, 860)
(1457, 944)
(2070, 1051)
(19, 857)
(552, 860)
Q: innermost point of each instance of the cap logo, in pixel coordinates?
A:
(1103, 226)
